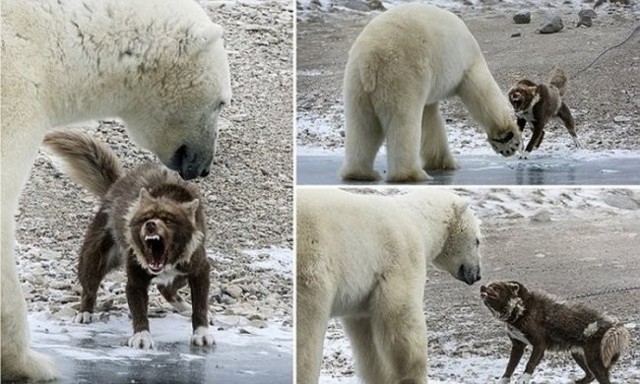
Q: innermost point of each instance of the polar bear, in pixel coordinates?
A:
(159, 65)
(364, 259)
(401, 65)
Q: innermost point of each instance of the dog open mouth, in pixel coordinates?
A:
(517, 102)
(486, 293)
(155, 247)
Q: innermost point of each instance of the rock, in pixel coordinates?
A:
(260, 324)
(517, 34)
(621, 202)
(621, 119)
(588, 13)
(551, 24)
(522, 17)
(542, 216)
(65, 313)
(233, 290)
(585, 17)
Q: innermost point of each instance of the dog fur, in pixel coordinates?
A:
(151, 220)
(539, 103)
(400, 67)
(534, 318)
(160, 66)
(364, 259)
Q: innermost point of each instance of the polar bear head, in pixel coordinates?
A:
(179, 87)
(460, 254)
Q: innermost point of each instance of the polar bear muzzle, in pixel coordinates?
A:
(191, 163)
(468, 274)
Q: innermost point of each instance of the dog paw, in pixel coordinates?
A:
(506, 145)
(141, 340)
(504, 380)
(202, 338)
(83, 318)
(524, 379)
(524, 155)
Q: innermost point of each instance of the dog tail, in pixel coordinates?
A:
(559, 80)
(614, 341)
(86, 160)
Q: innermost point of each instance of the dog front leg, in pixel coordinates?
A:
(517, 349)
(534, 360)
(138, 299)
(199, 285)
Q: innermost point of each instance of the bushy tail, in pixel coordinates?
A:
(613, 344)
(86, 160)
(559, 80)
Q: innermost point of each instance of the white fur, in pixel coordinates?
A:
(504, 380)
(159, 65)
(167, 275)
(517, 334)
(400, 67)
(524, 379)
(202, 338)
(364, 259)
(591, 329)
(83, 318)
(141, 340)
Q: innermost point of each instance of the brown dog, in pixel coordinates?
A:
(150, 219)
(595, 341)
(538, 103)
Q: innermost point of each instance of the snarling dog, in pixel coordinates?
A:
(595, 341)
(149, 218)
(539, 103)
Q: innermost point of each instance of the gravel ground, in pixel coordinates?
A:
(574, 243)
(604, 100)
(248, 195)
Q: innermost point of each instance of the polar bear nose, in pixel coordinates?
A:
(469, 274)
(191, 163)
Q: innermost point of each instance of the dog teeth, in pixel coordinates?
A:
(151, 237)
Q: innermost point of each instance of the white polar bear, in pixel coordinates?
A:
(401, 65)
(364, 259)
(159, 65)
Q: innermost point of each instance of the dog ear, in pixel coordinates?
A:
(533, 90)
(515, 287)
(144, 196)
(191, 208)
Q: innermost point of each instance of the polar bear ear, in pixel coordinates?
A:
(461, 207)
(207, 36)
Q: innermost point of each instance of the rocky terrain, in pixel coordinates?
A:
(248, 196)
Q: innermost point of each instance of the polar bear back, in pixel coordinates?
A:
(405, 45)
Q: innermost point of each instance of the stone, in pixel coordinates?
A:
(522, 17)
(551, 24)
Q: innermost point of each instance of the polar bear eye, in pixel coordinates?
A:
(477, 242)
(221, 104)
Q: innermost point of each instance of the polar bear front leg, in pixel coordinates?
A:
(434, 147)
(313, 310)
(369, 362)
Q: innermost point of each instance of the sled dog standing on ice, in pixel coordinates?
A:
(159, 65)
(150, 219)
(404, 62)
(364, 259)
(535, 318)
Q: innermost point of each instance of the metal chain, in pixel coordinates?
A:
(604, 292)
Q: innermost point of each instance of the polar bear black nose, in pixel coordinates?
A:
(468, 274)
(191, 163)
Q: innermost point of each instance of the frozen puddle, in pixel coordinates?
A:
(94, 353)
(480, 169)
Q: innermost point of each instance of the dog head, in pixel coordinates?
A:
(522, 95)
(163, 231)
(504, 299)
(460, 255)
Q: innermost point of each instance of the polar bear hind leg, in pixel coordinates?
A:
(362, 142)
(434, 147)
(370, 365)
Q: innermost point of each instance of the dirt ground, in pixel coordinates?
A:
(605, 99)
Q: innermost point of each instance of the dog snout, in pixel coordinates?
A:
(150, 227)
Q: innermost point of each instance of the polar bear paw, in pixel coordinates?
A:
(507, 145)
(202, 338)
(141, 340)
(348, 173)
(415, 175)
(32, 366)
(83, 318)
